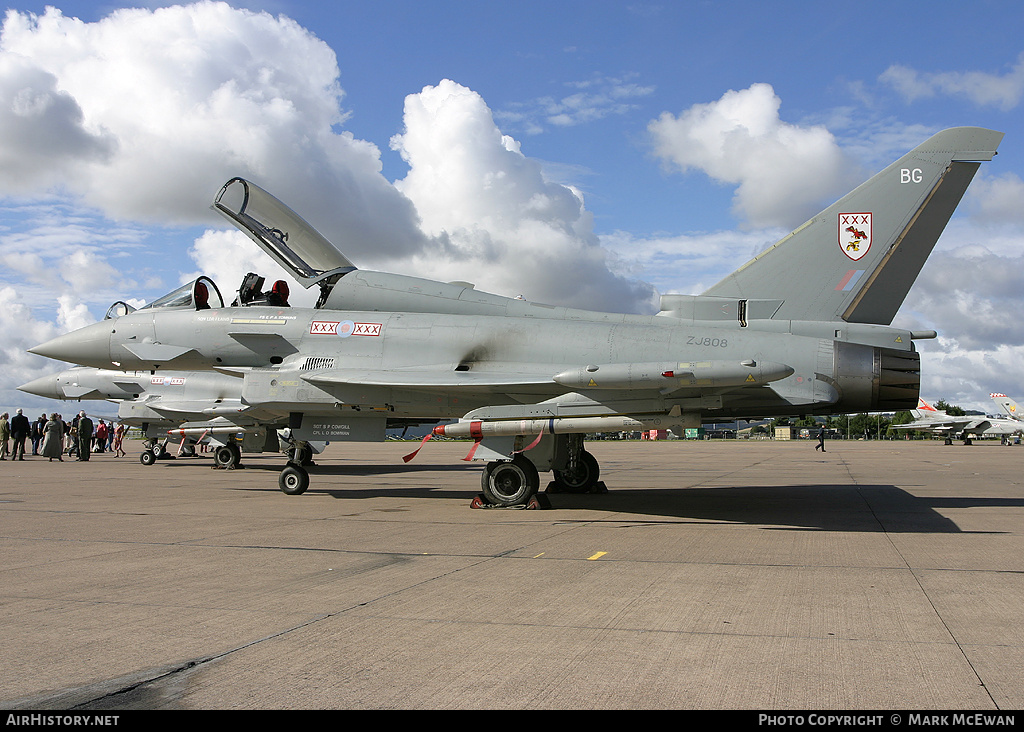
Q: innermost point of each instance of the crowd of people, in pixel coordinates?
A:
(52, 437)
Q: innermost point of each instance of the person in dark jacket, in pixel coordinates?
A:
(84, 436)
(20, 428)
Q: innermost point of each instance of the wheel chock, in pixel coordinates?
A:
(537, 501)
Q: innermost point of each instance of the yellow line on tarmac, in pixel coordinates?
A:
(597, 556)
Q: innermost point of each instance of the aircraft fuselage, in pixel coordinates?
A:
(331, 360)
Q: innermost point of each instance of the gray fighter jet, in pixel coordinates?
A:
(929, 419)
(182, 408)
(803, 328)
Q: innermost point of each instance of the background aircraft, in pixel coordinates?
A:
(930, 419)
(801, 329)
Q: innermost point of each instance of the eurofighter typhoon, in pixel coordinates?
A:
(803, 328)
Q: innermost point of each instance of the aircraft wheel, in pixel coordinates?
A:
(510, 483)
(582, 478)
(294, 480)
(146, 457)
(227, 456)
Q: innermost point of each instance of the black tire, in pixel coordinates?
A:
(510, 483)
(226, 456)
(580, 480)
(294, 480)
(146, 457)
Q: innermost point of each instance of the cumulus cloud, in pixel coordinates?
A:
(168, 104)
(982, 88)
(19, 329)
(155, 109)
(44, 136)
(783, 173)
(493, 214)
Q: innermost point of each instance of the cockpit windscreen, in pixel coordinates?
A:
(200, 294)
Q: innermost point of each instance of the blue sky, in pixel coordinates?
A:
(351, 111)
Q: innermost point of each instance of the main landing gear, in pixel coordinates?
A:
(507, 483)
(516, 482)
(227, 457)
(510, 483)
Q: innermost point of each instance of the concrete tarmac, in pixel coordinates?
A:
(712, 575)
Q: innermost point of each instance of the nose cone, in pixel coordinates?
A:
(88, 346)
(44, 386)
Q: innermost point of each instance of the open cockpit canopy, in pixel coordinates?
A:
(282, 234)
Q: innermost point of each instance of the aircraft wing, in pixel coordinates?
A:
(996, 427)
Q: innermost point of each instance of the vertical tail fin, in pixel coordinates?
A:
(857, 259)
(1009, 407)
(924, 409)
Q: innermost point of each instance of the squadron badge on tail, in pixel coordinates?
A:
(855, 234)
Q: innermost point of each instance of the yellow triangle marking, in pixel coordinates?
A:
(750, 377)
